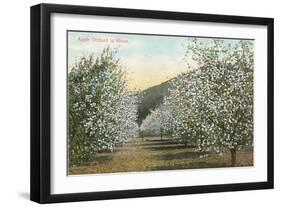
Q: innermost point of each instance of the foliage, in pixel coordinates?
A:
(151, 99)
(210, 105)
(101, 111)
(213, 104)
(151, 124)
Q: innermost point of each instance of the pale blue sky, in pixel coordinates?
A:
(148, 59)
(146, 45)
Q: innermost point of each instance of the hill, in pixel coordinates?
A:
(151, 98)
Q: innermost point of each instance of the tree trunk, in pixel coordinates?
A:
(185, 143)
(233, 157)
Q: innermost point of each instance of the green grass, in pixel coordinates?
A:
(156, 154)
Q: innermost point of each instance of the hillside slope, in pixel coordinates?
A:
(151, 98)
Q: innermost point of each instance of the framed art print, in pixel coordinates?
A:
(133, 103)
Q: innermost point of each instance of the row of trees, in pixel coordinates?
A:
(151, 124)
(212, 104)
(102, 112)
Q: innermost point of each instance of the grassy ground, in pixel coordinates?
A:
(154, 154)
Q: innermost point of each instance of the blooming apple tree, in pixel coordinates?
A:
(184, 117)
(101, 111)
(151, 125)
(213, 103)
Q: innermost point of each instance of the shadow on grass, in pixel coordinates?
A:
(98, 159)
(167, 147)
(180, 155)
(193, 165)
(158, 143)
(150, 144)
(147, 139)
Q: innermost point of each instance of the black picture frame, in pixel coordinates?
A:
(41, 98)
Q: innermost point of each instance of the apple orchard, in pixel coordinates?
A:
(210, 106)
